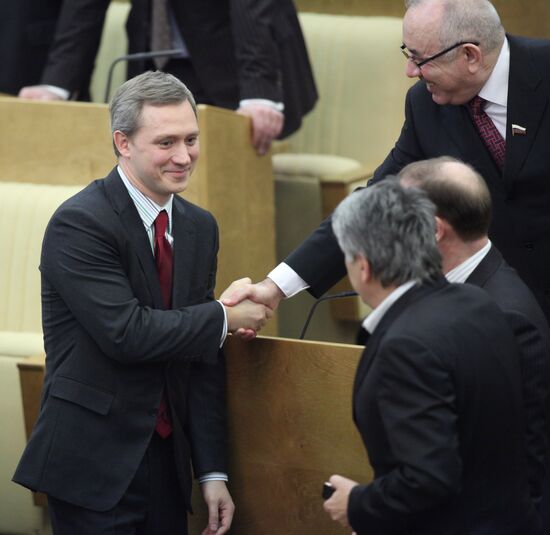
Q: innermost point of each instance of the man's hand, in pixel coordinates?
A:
(337, 505)
(247, 315)
(220, 507)
(38, 92)
(267, 124)
(265, 292)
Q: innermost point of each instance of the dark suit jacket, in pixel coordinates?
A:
(111, 349)
(437, 400)
(521, 197)
(532, 334)
(27, 29)
(239, 49)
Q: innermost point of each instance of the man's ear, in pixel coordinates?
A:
(474, 56)
(121, 142)
(365, 269)
(440, 229)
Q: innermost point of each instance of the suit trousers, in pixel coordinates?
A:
(152, 505)
(182, 68)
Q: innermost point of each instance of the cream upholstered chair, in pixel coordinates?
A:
(114, 44)
(362, 85)
(25, 210)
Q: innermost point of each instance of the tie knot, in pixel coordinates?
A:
(161, 223)
(476, 105)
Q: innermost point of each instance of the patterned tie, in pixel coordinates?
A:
(161, 35)
(487, 130)
(164, 262)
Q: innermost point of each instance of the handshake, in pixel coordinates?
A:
(249, 306)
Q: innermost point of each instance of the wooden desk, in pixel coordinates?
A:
(290, 428)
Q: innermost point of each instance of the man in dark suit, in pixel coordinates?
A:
(134, 382)
(463, 215)
(27, 29)
(248, 55)
(437, 395)
(513, 75)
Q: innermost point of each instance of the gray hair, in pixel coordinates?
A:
(467, 20)
(393, 228)
(154, 88)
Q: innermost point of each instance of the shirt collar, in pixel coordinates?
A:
(373, 319)
(148, 209)
(495, 89)
(461, 272)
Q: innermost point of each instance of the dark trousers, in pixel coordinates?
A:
(152, 505)
(183, 69)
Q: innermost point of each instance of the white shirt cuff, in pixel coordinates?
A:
(224, 330)
(59, 91)
(287, 280)
(213, 476)
(277, 106)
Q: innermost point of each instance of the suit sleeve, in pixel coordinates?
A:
(535, 355)
(318, 260)
(86, 265)
(207, 419)
(421, 428)
(258, 59)
(72, 55)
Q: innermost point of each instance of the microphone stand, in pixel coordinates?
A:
(323, 298)
(137, 57)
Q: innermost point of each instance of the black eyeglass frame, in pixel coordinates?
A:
(420, 64)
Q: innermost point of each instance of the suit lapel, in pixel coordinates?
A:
(486, 268)
(135, 231)
(527, 102)
(185, 236)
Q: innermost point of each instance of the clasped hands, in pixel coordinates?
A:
(249, 306)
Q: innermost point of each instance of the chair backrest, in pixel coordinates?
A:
(25, 210)
(362, 85)
(114, 43)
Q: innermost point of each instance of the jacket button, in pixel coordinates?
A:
(529, 246)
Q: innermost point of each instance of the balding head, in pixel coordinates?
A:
(463, 20)
(458, 191)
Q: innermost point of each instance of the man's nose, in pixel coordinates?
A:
(412, 70)
(181, 155)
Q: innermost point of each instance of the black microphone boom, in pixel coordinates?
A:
(323, 298)
(137, 57)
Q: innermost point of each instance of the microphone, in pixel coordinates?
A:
(324, 298)
(137, 57)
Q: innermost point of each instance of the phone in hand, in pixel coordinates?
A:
(328, 490)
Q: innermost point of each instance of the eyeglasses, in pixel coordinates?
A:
(420, 64)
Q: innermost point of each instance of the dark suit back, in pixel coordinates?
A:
(532, 334)
(437, 400)
(110, 348)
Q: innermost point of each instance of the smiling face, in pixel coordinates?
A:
(452, 78)
(159, 157)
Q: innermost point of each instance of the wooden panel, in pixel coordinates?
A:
(519, 17)
(290, 428)
(31, 375)
(70, 143)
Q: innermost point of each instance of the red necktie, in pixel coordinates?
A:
(164, 262)
(488, 131)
